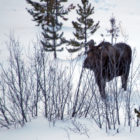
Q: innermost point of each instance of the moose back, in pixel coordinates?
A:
(107, 62)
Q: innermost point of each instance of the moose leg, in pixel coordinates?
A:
(101, 85)
(124, 78)
(124, 86)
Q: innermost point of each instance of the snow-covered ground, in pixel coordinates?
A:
(41, 129)
(14, 18)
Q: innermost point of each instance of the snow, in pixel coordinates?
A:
(41, 129)
(16, 19)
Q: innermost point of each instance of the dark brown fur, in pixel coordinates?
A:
(107, 62)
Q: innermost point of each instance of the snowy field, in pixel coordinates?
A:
(41, 129)
(15, 19)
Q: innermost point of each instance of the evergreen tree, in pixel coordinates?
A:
(84, 26)
(47, 13)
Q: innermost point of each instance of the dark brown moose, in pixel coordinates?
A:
(108, 61)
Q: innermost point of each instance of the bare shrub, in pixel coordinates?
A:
(14, 87)
(35, 85)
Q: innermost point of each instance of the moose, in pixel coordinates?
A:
(108, 61)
